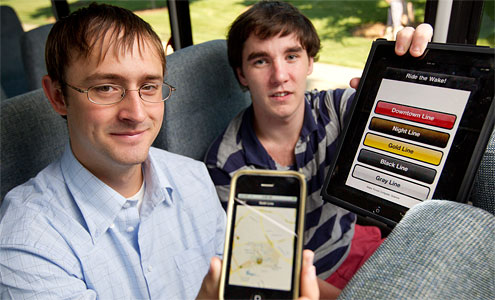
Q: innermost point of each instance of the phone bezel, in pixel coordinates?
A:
(268, 293)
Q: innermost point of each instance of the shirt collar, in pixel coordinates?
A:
(160, 189)
(309, 123)
(99, 204)
(255, 152)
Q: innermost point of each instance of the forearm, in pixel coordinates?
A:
(328, 291)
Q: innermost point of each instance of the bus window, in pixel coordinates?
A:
(211, 18)
(35, 13)
(32, 13)
(487, 30)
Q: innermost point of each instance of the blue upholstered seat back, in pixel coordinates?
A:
(483, 194)
(440, 250)
(13, 79)
(207, 98)
(33, 55)
(32, 136)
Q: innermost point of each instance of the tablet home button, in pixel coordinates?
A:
(257, 296)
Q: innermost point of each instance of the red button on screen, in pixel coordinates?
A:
(416, 114)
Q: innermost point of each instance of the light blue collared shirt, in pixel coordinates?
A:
(65, 234)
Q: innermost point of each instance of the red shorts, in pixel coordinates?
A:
(365, 241)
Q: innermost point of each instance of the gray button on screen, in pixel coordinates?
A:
(391, 183)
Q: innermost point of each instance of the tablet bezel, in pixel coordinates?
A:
(456, 180)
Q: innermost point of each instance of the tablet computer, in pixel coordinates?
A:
(417, 131)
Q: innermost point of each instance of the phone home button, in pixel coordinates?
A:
(257, 296)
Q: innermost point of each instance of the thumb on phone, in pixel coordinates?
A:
(211, 282)
(309, 281)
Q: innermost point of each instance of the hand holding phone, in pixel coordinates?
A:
(263, 247)
(309, 286)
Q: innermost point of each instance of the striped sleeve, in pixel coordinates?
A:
(224, 158)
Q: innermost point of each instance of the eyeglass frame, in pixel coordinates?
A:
(171, 88)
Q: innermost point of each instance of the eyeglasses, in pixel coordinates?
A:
(107, 94)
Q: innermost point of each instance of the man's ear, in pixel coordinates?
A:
(311, 63)
(53, 92)
(241, 77)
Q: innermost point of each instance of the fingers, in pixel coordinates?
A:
(403, 40)
(414, 40)
(354, 83)
(215, 269)
(308, 256)
(309, 283)
(211, 282)
(422, 35)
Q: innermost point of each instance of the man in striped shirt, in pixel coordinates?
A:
(271, 48)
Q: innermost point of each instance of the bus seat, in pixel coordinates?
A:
(33, 55)
(32, 136)
(207, 98)
(13, 79)
(440, 250)
(483, 194)
(2, 93)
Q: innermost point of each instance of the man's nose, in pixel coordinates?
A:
(280, 72)
(132, 107)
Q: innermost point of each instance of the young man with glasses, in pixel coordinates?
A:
(272, 47)
(113, 218)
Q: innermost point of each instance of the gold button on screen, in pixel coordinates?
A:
(404, 149)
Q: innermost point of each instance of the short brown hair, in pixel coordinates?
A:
(80, 33)
(267, 19)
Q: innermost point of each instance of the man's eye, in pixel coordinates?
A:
(105, 89)
(259, 62)
(291, 57)
(149, 89)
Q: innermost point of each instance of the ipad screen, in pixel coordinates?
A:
(408, 135)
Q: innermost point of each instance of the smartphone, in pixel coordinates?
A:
(264, 236)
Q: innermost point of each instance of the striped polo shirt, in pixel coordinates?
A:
(329, 229)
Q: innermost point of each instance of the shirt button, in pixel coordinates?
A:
(130, 229)
(127, 205)
(150, 268)
(112, 226)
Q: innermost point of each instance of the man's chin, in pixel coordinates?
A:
(131, 156)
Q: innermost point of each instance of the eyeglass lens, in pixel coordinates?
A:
(108, 94)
